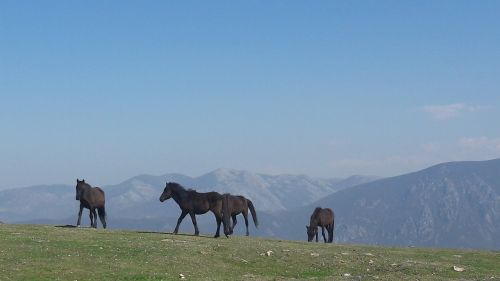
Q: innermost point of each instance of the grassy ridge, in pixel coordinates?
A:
(29, 252)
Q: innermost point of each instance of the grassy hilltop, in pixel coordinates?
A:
(34, 252)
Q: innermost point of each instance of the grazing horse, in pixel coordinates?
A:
(193, 203)
(323, 218)
(91, 198)
(234, 205)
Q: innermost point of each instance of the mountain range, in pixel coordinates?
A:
(134, 203)
(454, 204)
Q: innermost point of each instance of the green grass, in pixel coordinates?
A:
(34, 252)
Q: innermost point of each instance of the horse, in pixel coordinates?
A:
(323, 218)
(91, 198)
(234, 205)
(194, 203)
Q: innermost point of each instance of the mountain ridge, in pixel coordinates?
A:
(454, 204)
(137, 196)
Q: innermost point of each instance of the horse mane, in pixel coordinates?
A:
(84, 184)
(178, 187)
(315, 212)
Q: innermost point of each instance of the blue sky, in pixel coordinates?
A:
(106, 90)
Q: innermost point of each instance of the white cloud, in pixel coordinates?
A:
(423, 156)
(448, 111)
(481, 144)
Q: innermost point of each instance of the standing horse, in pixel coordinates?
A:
(193, 203)
(91, 198)
(323, 218)
(234, 205)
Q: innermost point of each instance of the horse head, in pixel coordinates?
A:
(79, 188)
(167, 192)
(228, 227)
(311, 232)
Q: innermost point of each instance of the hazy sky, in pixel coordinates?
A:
(107, 90)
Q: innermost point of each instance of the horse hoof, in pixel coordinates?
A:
(216, 236)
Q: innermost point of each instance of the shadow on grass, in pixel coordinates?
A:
(178, 234)
(73, 226)
(146, 232)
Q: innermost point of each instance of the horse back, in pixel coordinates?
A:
(322, 216)
(202, 202)
(327, 216)
(240, 203)
(215, 200)
(94, 197)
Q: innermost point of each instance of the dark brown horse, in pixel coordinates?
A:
(91, 198)
(193, 203)
(323, 218)
(234, 205)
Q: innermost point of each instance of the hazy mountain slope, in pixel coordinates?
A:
(273, 193)
(135, 201)
(40, 202)
(449, 205)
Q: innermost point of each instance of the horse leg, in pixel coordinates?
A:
(235, 221)
(219, 220)
(102, 215)
(181, 217)
(245, 216)
(91, 216)
(323, 232)
(95, 217)
(79, 216)
(330, 233)
(193, 218)
(316, 234)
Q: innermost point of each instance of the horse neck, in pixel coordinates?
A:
(314, 222)
(85, 188)
(178, 194)
(315, 217)
(225, 205)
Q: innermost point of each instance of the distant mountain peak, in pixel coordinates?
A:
(228, 173)
(453, 204)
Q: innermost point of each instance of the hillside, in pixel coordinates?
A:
(453, 205)
(47, 253)
(448, 205)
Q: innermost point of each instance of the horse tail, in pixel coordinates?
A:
(226, 214)
(102, 215)
(254, 214)
(330, 230)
